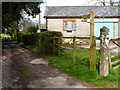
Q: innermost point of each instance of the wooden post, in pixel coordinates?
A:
(74, 44)
(54, 45)
(59, 48)
(92, 54)
(110, 64)
(104, 51)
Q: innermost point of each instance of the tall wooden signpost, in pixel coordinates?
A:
(92, 40)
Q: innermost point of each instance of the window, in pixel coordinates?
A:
(69, 24)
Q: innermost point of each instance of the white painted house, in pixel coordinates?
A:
(68, 20)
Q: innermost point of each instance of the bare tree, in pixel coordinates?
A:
(111, 2)
(100, 2)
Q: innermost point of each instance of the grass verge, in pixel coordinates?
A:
(80, 69)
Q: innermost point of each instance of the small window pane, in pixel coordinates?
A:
(69, 25)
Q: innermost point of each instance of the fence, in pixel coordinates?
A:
(92, 49)
(105, 59)
(115, 63)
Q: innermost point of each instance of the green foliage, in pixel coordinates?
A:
(32, 29)
(43, 42)
(19, 37)
(29, 39)
(7, 37)
(46, 41)
(11, 11)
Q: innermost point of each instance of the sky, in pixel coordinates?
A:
(65, 3)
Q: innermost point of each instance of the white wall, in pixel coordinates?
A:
(117, 30)
(82, 28)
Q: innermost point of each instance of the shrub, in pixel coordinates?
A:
(5, 37)
(46, 41)
(43, 42)
(32, 29)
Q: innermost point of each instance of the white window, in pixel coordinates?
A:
(69, 25)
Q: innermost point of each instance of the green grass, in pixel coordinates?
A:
(88, 43)
(118, 63)
(71, 46)
(80, 69)
(115, 58)
(82, 54)
(22, 70)
(118, 42)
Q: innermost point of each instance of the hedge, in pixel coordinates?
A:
(44, 42)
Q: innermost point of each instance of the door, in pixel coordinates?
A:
(99, 25)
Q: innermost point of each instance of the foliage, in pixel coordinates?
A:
(43, 42)
(5, 37)
(11, 11)
(80, 69)
(14, 28)
(46, 41)
(29, 39)
(32, 29)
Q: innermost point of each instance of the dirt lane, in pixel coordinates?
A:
(22, 68)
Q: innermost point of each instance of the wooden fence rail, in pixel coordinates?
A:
(92, 50)
(97, 38)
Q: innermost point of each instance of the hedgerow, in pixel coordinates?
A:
(43, 42)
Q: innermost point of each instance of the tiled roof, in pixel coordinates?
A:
(78, 11)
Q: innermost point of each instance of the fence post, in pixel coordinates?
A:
(110, 64)
(93, 54)
(104, 51)
(59, 46)
(92, 43)
(54, 45)
(74, 44)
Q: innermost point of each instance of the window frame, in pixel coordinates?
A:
(69, 20)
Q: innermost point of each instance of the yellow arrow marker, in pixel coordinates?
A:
(86, 16)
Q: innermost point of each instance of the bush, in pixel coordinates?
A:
(43, 42)
(32, 29)
(6, 37)
(46, 41)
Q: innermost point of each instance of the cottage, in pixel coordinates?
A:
(68, 20)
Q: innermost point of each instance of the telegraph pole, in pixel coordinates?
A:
(40, 17)
(39, 22)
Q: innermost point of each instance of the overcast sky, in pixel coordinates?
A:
(67, 3)
(73, 2)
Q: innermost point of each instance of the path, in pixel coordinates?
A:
(22, 68)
